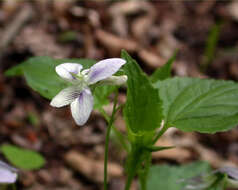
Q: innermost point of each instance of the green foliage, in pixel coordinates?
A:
(164, 72)
(211, 44)
(40, 75)
(158, 148)
(220, 183)
(22, 158)
(101, 93)
(173, 177)
(143, 110)
(202, 105)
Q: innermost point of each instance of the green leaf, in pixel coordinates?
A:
(202, 105)
(101, 94)
(220, 183)
(22, 158)
(167, 177)
(211, 45)
(164, 72)
(158, 148)
(143, 110)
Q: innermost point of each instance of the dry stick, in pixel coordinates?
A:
(14, 27)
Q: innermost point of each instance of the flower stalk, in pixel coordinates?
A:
(133, 164)
(109, 127)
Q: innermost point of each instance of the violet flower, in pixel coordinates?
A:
(8, 174)
(205, 181)
(79, 95)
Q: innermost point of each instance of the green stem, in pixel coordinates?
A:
(118, 134)
(134, 161)
(129, 181)
(104, 114)
(143, 175)
(107, 139)
(161, 132)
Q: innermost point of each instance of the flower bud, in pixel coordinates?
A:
(115, 80)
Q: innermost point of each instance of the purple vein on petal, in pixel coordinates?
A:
(82, 107)
(96, 73)
(104, 69)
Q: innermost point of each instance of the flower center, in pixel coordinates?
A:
(80, 76)
(80, 79)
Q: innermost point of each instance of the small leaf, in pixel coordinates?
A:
(211, 45)
(220, 183)
(164, 72)
(14, 71)
(171, 177)
(202, 105)
(158, 148)
(143, 110)
(22, 158)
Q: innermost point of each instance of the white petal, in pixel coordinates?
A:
(8, 174)
(64, 70)
(82, 107)
(104, 69)
(65, 96)
(85, 71)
